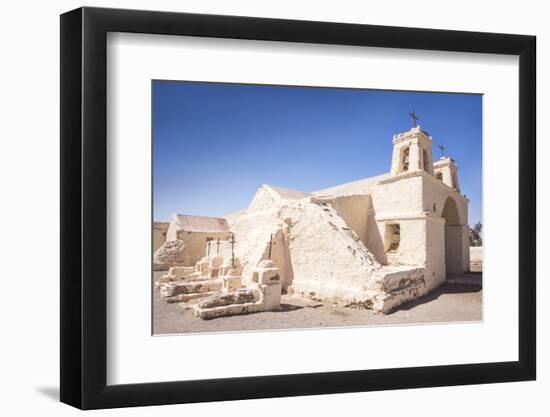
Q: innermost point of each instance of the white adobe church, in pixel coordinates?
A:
(373, 243)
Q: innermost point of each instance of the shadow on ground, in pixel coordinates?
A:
(446, 288)
(288, 307)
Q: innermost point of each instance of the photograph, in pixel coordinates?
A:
(270, 208)
(281, 207)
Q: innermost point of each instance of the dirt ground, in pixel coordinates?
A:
(458, 300)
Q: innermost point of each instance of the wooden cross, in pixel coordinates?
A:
(208, 245)
(232, 251)
(415, 118)
(270, 244)
(442, 149)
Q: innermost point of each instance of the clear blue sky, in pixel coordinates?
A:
(215, 144)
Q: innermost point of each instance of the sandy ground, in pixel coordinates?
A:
(450, 302)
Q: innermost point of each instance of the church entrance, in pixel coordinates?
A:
(453, 238)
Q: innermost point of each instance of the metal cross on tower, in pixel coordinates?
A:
(415, 118)
(442, 149)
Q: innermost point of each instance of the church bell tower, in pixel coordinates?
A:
(412, 151)
(446, 172)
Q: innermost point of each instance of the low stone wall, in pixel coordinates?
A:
(165, 267)
(476, 258)
(397, 285)
(476, 253)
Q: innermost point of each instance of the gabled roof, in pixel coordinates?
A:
(203, 224)
(363, 186)
(288, 193)
(269, 197)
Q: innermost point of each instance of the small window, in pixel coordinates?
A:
(405, 160)
(392, 237)
(439, 176)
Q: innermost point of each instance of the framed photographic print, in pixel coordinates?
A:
(257, 208)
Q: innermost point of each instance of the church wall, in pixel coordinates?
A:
(159, 234)
(434, 192)
(435, 195)
(398, 196)
(422, 244)
(195, 244)
(412, 245)
(453, 250)
(435, 261)
(465, 248)
(398, 201)
(354, 209)
(412, 248)
(375, 240)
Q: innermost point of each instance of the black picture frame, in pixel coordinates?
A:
(84, 207)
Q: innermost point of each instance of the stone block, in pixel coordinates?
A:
(230, 283)
(271, 296)
(180, 271)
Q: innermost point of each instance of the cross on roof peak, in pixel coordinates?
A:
(415, 118)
